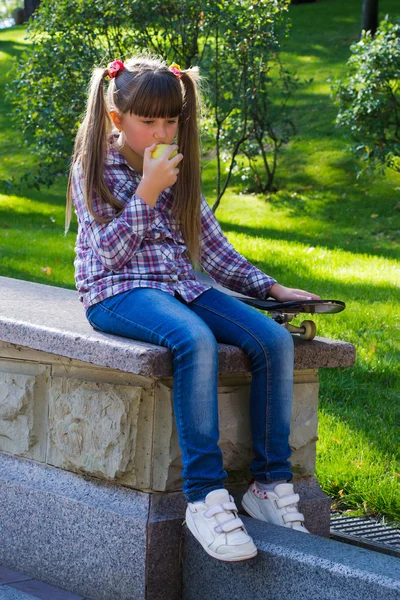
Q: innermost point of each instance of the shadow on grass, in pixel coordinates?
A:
(13, 49)
(340, 397)
(335, 242)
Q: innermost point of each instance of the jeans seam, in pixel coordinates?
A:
(95, 327)
(124, 319)
(267, 360)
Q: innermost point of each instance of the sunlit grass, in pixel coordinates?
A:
(324, 231)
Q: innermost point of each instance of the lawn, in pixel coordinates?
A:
(325, 231)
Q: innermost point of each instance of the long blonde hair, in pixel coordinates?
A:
(148, 88)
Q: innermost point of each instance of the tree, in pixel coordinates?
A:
(369, 19)
(29, 8)
(369, 98)
(232, 41)
(238, 60)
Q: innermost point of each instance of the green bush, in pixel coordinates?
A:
(369, 98)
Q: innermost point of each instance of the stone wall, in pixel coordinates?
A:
(120, 427)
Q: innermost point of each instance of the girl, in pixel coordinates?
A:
(143, 228)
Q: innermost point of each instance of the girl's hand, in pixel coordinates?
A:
(284, 294)
(158, 174)
(164, 170)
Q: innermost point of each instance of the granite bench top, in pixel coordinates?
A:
(52, 319)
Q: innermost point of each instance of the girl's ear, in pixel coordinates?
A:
(116, 119)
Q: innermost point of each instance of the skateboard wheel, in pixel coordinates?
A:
(309, 330)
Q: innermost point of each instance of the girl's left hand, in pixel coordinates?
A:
(284, 294)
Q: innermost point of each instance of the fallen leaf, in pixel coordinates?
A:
(374, 215)
(46, 270)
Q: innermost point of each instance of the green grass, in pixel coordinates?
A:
(324, 231)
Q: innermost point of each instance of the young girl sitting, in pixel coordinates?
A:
(143, 229)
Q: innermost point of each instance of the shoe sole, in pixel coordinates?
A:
(190, 525)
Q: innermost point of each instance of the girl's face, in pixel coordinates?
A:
(142, 132)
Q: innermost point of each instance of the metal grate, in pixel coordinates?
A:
(367, 533)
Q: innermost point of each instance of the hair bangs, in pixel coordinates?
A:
(159, 95)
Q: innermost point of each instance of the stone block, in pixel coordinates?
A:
(235, 436)
(289, 565)
(93, 538)
(23, 408)
(76, 533)
(93, 429)
(51, 319)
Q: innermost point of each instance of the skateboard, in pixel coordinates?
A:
(284, 312)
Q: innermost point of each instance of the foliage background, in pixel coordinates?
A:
(234, 43)
(369, 98)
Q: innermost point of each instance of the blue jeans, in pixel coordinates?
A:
(192, 331)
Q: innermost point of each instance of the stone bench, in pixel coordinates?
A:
(94, 412)
(291, 566)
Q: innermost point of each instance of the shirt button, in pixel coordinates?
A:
(174, 277)
(157, 235)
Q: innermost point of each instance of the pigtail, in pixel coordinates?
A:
(188, 185)
(90, 149)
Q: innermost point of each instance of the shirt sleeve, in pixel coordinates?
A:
(224, 264)
(113, 243)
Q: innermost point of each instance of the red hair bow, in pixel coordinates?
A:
(114, 68)
(176, 70)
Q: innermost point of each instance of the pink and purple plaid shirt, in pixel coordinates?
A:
(143, 247)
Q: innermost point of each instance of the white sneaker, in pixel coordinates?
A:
(215, 524)
(277, 506)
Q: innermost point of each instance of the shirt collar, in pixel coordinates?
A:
(113, 157)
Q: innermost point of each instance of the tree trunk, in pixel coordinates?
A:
(369, 21)
(29, 8)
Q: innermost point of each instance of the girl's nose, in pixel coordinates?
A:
(160, 133)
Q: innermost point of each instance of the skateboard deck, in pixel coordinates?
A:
(284, 312)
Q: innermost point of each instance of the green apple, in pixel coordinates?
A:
(160, 148)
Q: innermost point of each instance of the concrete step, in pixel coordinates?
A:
(15, 585)
(290, 565)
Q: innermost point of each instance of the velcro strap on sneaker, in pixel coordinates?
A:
(229, 525)
(294, 516)
(288, 500)
(229, 506)
(220, 508)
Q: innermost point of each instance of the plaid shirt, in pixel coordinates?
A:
(144, 247)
